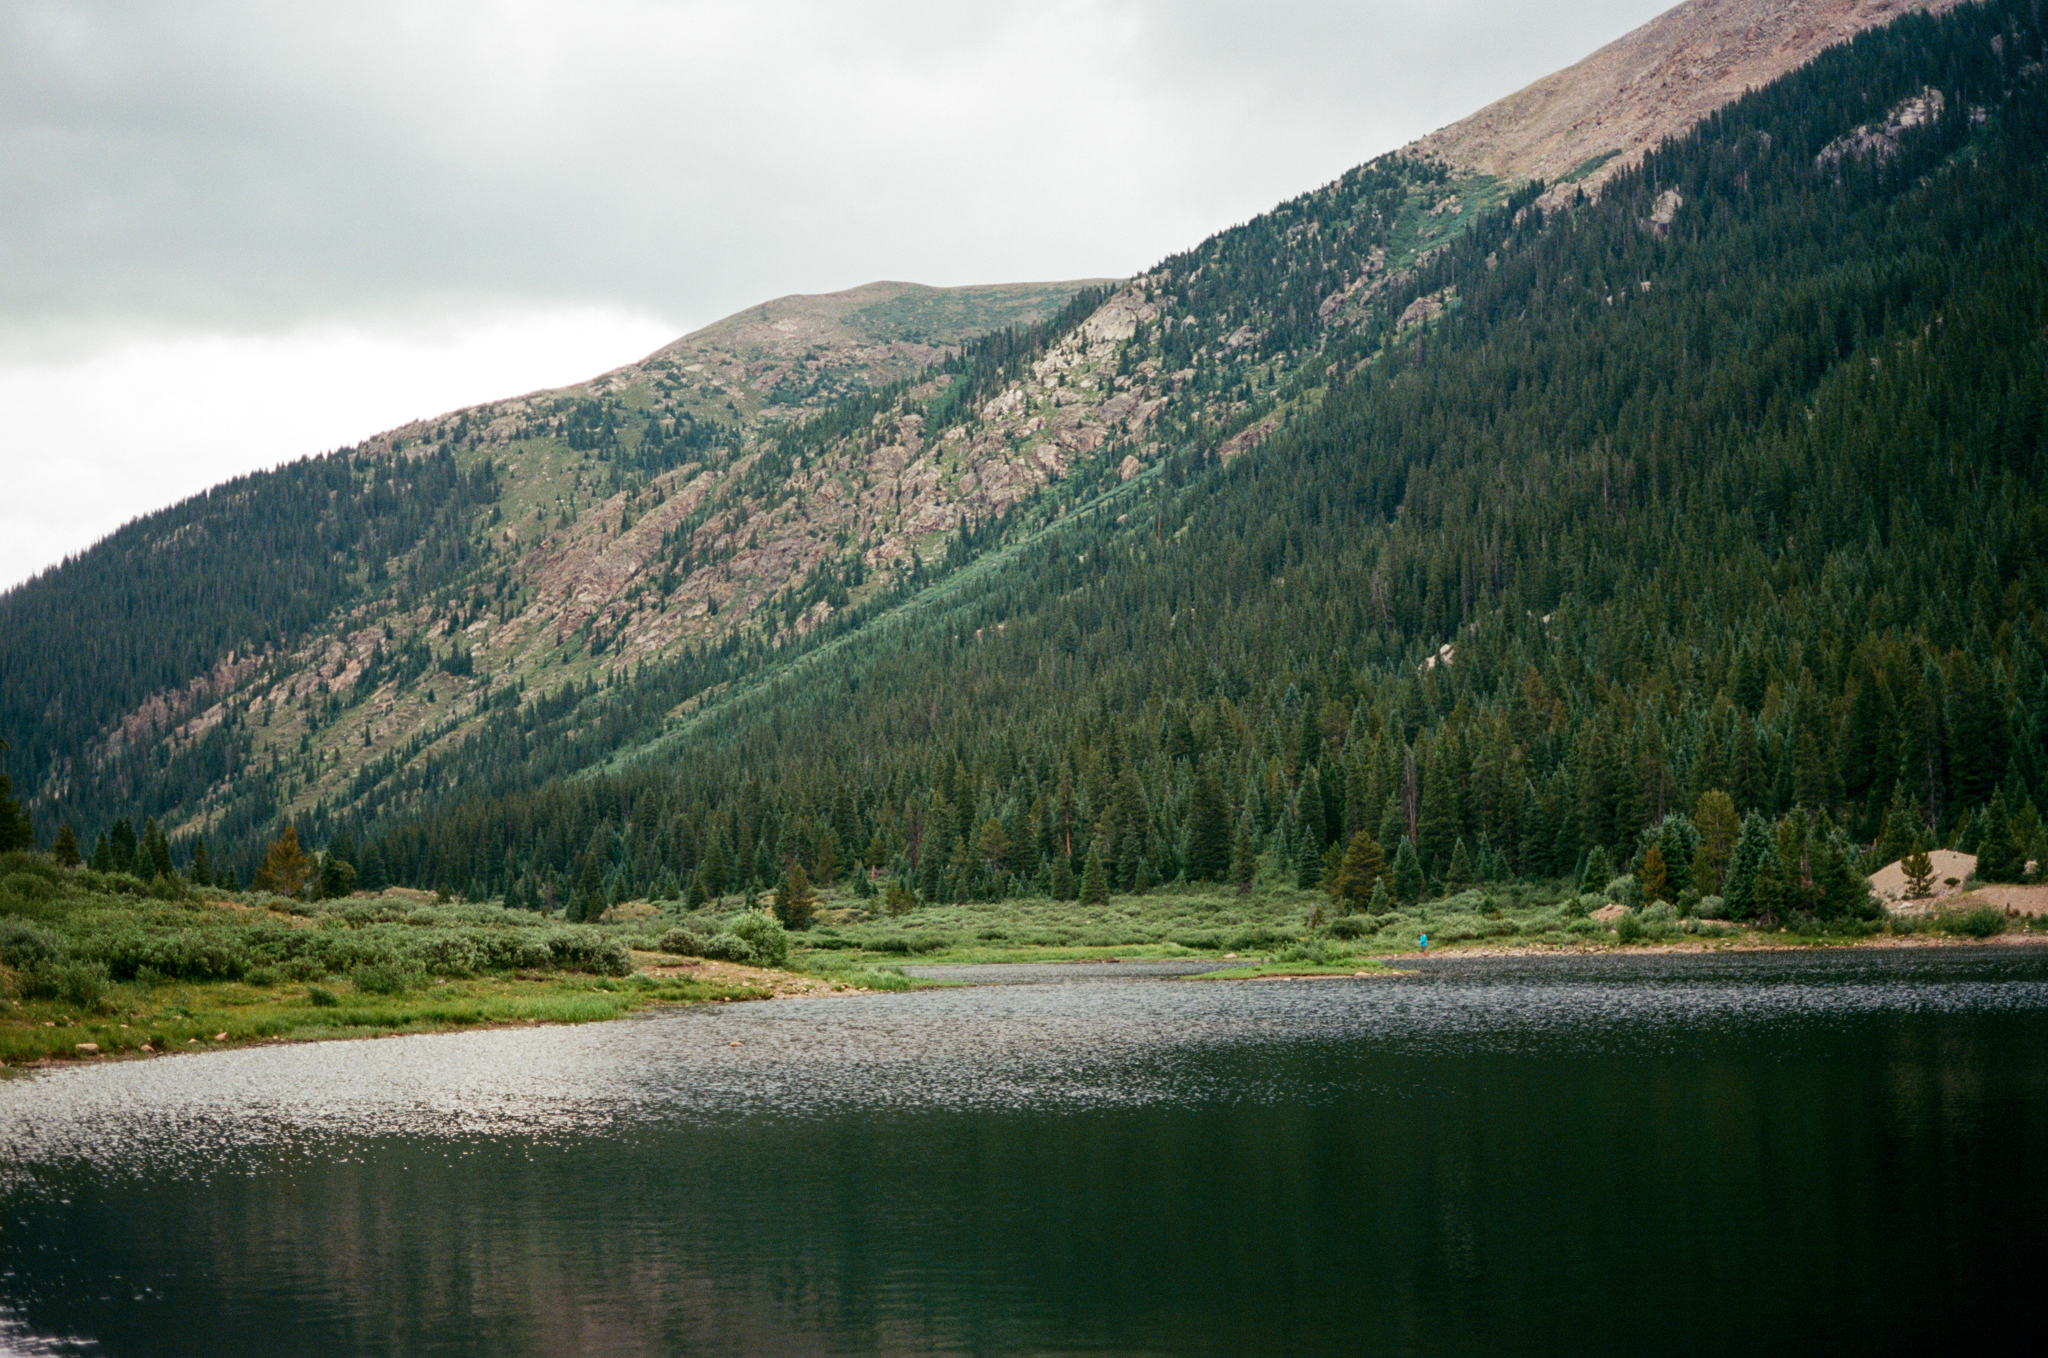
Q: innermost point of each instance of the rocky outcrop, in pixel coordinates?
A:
(1650, 84)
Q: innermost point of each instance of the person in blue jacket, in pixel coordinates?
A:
(1422, 944)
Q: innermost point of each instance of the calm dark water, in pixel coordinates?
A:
(1762, 1154)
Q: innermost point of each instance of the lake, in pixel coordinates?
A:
(1783, 1152)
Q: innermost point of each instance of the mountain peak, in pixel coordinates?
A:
(1583, 124)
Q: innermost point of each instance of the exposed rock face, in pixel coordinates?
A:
(1650, 84)
(1880, 141)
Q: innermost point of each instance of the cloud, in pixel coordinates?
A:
(189, 177)
(235, 164)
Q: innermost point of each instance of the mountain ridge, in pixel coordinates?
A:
(625, 525)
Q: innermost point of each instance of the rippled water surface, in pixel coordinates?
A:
(1761, 1153)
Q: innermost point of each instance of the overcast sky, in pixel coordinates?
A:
(232, 234)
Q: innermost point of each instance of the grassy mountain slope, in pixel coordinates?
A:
(197, 665)
(789, 510)
(1729, 484)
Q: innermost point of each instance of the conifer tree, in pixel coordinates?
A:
(1244, 859)
(1458, 877)
(1380, 902)
(122, 847)
(1365, 868)
(1919, 869)
(17, 831)
(1407, 873)
(1653, 878)
(1752, 855)
(795, 904)
(1308, 857)
(1209, 837)
(1999, 858)
(155, 855)
(285, 869)
(1094, 879)
(65, 850)
(1718, 825)
(202, 862)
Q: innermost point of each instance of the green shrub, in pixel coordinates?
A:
(26, 886)
(1351, 926)
(1629, 928)
(1982, 922)
(768, 939)
(261, 976)
(299, 969)
(1711, 907)
(25, 947)
(321, 997)
(83, 984)
(379, 978)
(681, 942)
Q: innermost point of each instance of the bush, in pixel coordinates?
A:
(681, 942)
(768, 939)
(25, 947)
(1982, 922)
(83, 984)
(1629, 928)
(321, 997)
(300, 969)
(1350, 926)
(380, 978)
(26, 886)
(1712, 907)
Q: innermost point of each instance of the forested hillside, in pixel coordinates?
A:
(1723, 495)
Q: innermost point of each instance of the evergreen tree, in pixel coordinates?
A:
(17, 831)
(1895, 836)
(1752, 856)
(795, 904)
(1919, 869)
(1652, 876)
(1679, 844)
(1364, 870)
(202, 862)
(1244, 859)
(1599, 870)
(1718, 826)
(1308, 857)
(1064, 887)
(122, 848)
(1999, 858)
(1308, 802)
(1380, 902)
(1407, 873)
(155, 854)
(65, 850)
(1458, 877)
(338, 877)
(1209, 837)
(1094, 879)
(102, 859)
(285, 869)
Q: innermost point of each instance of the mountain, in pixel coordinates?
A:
(1433, 504)
(1592, 120)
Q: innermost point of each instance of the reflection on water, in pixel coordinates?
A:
(1538, 1155)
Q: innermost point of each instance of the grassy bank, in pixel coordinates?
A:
(97, 965)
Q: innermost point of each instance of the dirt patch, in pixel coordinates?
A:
(2014, 899)
(781, 984)
(1951, 870)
